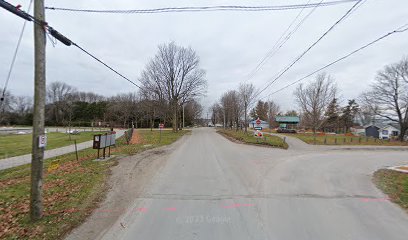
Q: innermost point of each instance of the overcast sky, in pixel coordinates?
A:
(230, 44)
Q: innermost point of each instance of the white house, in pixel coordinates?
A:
(263, 124)
(358, 130)
(388, 132)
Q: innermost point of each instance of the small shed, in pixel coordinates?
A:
(287, 122)
(372, 131)
(388, 132)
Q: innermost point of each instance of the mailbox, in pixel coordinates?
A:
(101, 141)
(97, 141)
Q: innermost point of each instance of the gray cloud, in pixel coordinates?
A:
(230, 45)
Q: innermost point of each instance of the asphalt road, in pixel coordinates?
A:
(212, 188)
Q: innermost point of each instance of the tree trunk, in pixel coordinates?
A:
(245, 117)
(402, 133)
(151, 123)
(175, 117)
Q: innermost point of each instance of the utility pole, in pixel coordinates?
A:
(37, 158)
(224, 119)
(183, 115)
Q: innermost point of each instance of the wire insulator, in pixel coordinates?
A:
(59, 36)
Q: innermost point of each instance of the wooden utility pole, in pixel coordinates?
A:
(36, 200)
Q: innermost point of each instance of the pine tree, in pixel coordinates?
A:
(348, 114)
(332, 116)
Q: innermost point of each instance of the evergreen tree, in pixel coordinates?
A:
(261, 110)
(349, 113)
(332, 116)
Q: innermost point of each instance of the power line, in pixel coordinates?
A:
(58, 36)
(278, 44)
(14, 56)
(311, 46)
(401, 29)
(97, 59)
(205, 8)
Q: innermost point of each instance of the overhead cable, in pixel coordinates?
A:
(310, 47)
(58, 36)
(286, 35)
(205, 8)
(401, 29)
(20, 13)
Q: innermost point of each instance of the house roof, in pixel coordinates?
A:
(382, 126)
(372, 125)
(392, 126)
(291, 119)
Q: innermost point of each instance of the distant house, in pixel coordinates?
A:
(358, 130)
(372, 131)
(287, 122)
(388, 132)
(383, 131)
(263, 124)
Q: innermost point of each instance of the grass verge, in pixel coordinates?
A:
(16, 145)
(394, 184)
(248, 138)
(71, 189)
(345, 140)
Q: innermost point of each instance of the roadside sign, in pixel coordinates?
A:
(258, 121)
(258, 134)
(42, 141)
(258, 128)
(161, 125)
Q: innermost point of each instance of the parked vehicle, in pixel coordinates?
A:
(283, 130)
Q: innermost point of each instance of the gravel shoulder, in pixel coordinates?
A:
(126, 183)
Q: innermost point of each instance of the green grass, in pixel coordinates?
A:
(16, 145)
(248, 138)
(344, 140)
(394, 184)
(71, 189)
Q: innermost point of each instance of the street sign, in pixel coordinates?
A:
(258, 121)
(42, 141)
(161, 125)
(258, 128)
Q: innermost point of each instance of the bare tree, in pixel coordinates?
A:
(174, 74)
(402, 69)
(366, 115)
(6, 106)
(314, 99)
(193, 111)
(23, 105)
(121, 108)
(59, 95)
(248, 94)
(217, 113)
(273, 111)
(388, 96)
(232, 108)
